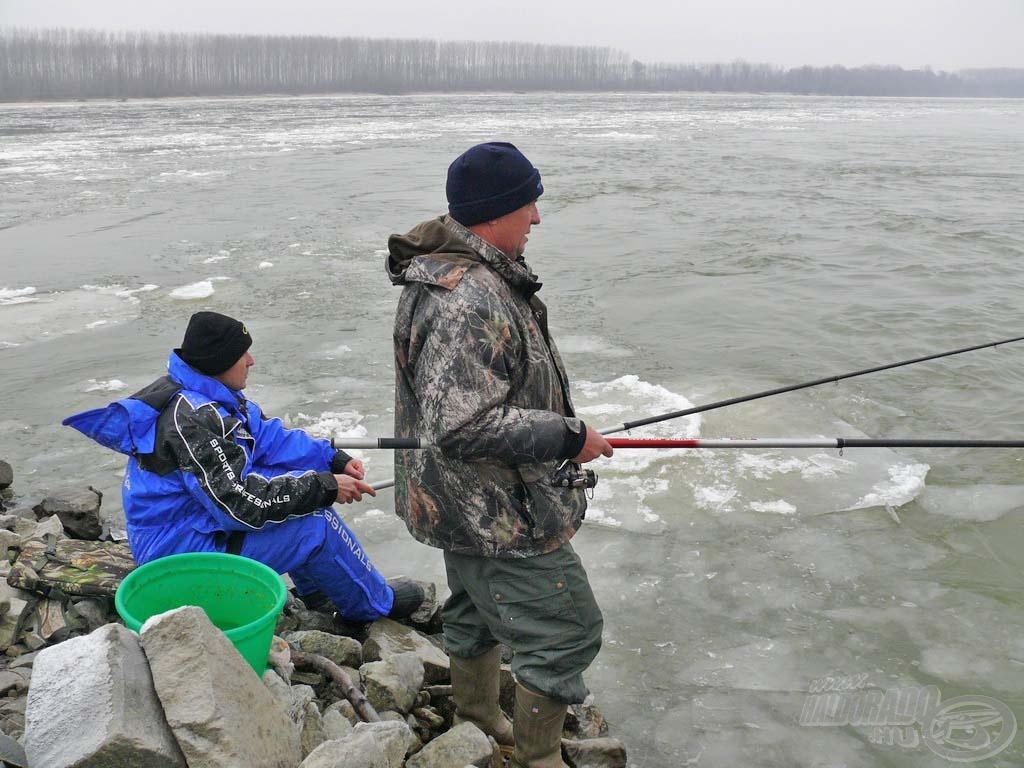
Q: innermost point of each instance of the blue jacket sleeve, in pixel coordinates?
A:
(291, 449)
(216, 475)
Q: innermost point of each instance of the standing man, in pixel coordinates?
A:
(478, 376)
(208, 472)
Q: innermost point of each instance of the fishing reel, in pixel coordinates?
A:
(572, 475)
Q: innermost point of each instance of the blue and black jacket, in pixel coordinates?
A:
(205, 464)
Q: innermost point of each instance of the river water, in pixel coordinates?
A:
(693, 247)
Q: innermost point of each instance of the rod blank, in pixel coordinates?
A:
(386, 443)
(793, 387)
(797, 442)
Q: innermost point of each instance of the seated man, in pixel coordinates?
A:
(208, 472)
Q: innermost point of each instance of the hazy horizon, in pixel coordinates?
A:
(941, 34)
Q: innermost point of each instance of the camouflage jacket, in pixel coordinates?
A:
(477, 376)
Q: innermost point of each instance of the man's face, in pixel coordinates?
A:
(236, 376)
(510, 233)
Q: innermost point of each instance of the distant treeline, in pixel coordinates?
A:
(80, 64)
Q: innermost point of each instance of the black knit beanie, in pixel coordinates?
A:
(490, 180)
(213, 342)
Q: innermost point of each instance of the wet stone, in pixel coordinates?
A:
(78, 510)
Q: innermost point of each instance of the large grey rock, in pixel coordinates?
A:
(23, 525)
(12, 753)
(12, 716)
(387, 638)
(12, 515)
(16, 607)
(354, 751)
(395, 739)
(219, 711)
(8, 539)
(78, 510)
(48, 526)
(313, 733)
(344, 708)
(343, 651)
(465, 744)
(336, 725)
(585, 721)
(595, 753)
(6, 475)
(291, 699)
(92, 703)
(86, 615)
(394, 682)
(299, 703)
(16, 680)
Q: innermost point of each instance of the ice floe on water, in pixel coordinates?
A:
(129, 293)
(645, 490)
(342, 424)
(779, 507)
(109, 385)
(199, 290)
(905, 482)
(329, 424)
(591, 345)
(338, 351)
(17, 295)
(619, 136)
(32, 315)
(979, 503)
(184, 173)
(265, 265)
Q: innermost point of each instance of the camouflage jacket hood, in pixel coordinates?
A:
(477, 375)
(449, 249)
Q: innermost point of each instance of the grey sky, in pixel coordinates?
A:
(945, 34)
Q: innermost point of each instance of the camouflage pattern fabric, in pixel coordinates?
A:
(70, 566)
(477, 376)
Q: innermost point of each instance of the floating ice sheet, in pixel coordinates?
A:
(644, 490)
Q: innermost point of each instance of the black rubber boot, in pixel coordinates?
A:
(317, 601)
(408, 597)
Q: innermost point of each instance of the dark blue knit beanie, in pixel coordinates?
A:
(213, 342)
(489, 180)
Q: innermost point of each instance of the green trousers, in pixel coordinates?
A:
(541, 607)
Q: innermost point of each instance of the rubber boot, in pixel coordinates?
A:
(408, 597)
(475, 686)
(537, 725)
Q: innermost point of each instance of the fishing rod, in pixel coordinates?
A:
(568, 475)
(394, 443)
(625, 427)
(415, 444)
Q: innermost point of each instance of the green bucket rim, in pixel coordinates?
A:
(253, 566)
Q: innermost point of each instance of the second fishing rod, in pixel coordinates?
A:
(391, 443)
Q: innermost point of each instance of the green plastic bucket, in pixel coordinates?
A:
(242, 597)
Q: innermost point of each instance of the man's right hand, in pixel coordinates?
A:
(350, 489)
(595, 446)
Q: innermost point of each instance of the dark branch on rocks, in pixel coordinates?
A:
(363, 708)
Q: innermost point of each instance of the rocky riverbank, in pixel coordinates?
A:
(79, 689)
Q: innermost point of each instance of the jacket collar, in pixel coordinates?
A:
(195, 381)
(517, 273)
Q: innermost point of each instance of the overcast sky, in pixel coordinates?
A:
(945, 34)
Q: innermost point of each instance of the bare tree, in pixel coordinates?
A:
(62, 64)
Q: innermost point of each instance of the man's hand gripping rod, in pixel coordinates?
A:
(568, 474)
